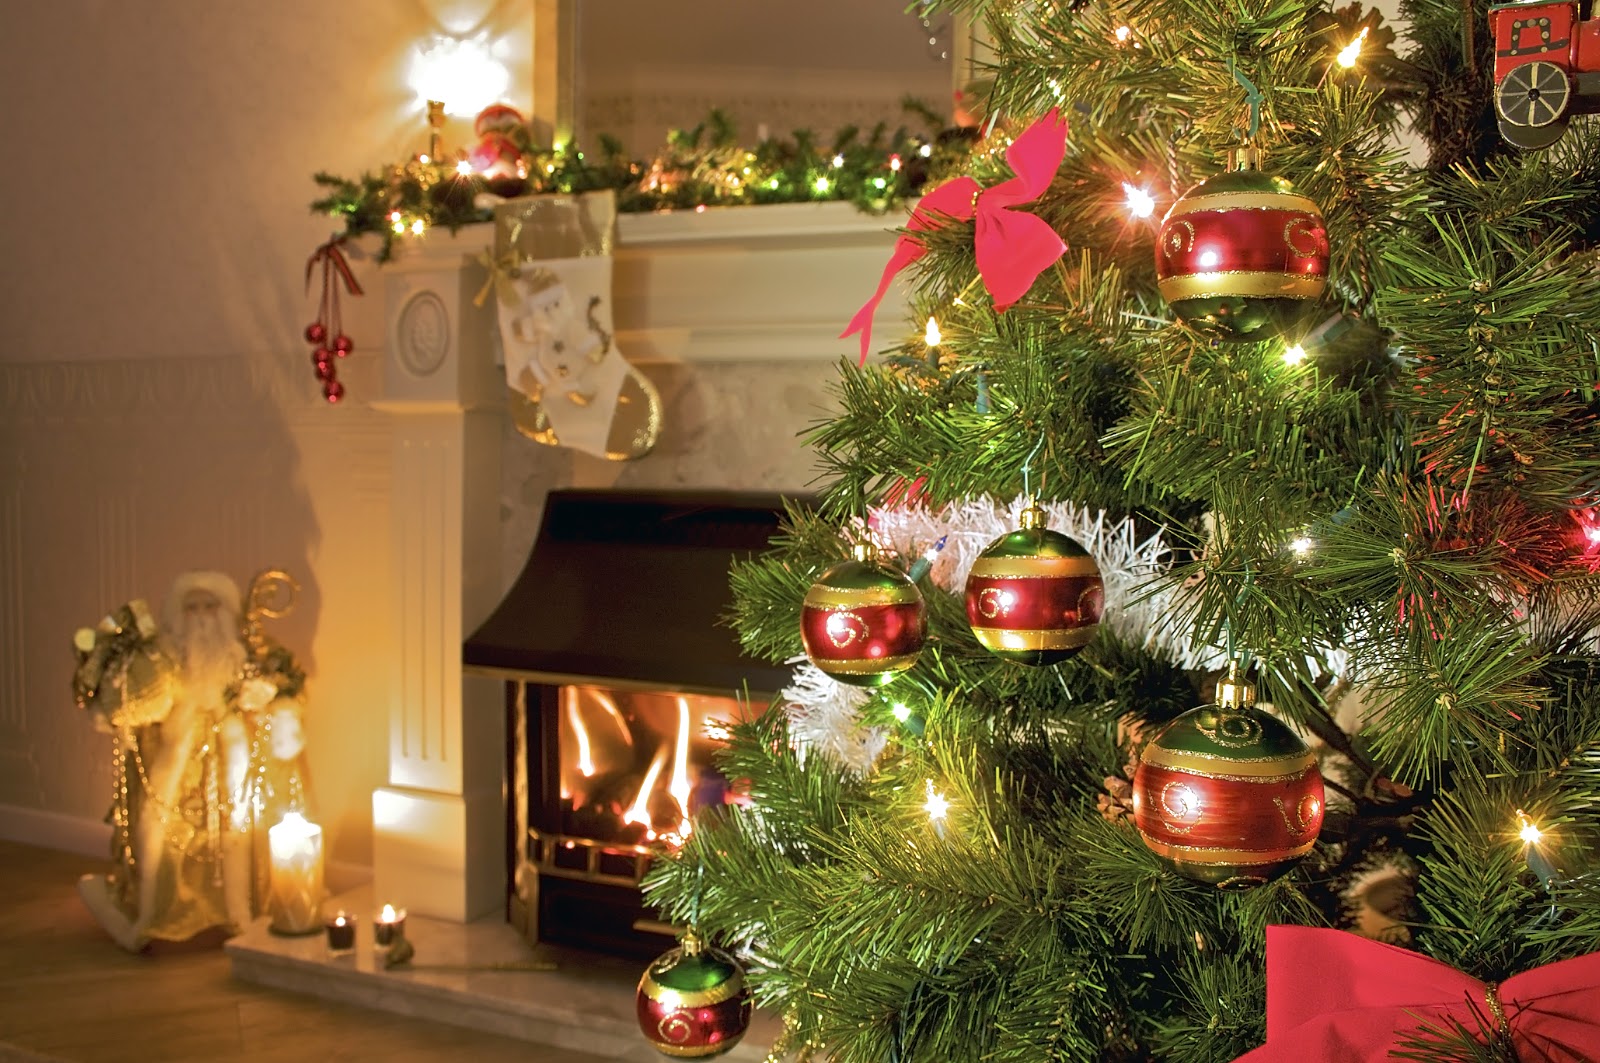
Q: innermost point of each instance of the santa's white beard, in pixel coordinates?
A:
(211, 656)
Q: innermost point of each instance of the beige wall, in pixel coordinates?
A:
(157, 411)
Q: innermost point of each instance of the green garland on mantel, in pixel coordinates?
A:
(700, 167)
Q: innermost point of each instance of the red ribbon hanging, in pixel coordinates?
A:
(1013, 248)
(331, 253)
(1332, 995)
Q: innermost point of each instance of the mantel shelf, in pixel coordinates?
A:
(723, 284)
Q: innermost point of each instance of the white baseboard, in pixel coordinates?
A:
(54, 830)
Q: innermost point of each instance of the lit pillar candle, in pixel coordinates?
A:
(296, 875)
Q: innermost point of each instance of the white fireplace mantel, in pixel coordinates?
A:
(747, 284)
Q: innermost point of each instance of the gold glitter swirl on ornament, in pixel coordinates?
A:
(1184, 810)
(1304, 226)
(845, 629)
(992, 602)
(1179, 238)
(675, 1028)
(1307, 814)
(1228, 729)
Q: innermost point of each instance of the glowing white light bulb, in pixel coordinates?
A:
(1294, 355)
(1352, 51)
(461, 73)
(418, 227)
(1530, 832)
(931, 335)
(894, 163)
(1141, 204)
(464, 168)
(1123, 33)
(936, 805)
(901, 712)
(838, 162)
(822, 185)
(926, 151)
(1302, 545)
(398, 226)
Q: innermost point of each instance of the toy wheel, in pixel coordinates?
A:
(1533, 95)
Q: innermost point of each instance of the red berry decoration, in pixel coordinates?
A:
(693, 1002)
(316, 332)
(324, 370)
(333, 391)
(334, 270)
(863, 622)
(1228, 794)
(1035, 595)
(343, 345)
(1242, 256)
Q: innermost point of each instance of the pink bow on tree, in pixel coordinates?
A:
(1013, 248)
(1334, 996)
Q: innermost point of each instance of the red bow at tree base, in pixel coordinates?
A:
(1334, 996)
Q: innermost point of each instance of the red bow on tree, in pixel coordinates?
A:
(1334, 996)
(1013, 248)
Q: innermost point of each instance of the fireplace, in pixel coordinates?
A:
(621, 679)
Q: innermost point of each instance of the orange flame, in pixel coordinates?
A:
(680, 787)
(640, 812)
(579, 732)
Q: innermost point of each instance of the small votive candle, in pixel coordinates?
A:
(296, 875)
(341, 932)
(391, 924)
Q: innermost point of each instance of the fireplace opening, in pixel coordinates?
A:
(621, 682)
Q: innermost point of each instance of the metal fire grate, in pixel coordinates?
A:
(587, 860)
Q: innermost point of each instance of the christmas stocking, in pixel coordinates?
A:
(569, 384)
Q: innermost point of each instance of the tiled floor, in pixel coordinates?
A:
(67, 993)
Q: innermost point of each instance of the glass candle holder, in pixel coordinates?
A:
(341, 932)
(296, 875)
(389, 925)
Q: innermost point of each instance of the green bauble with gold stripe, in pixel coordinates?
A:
(863, 622)
(693, 1001)
(1034, 595)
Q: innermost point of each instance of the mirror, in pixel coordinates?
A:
(642, 67)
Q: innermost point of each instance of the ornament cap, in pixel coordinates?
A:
(1033, 517)
(692, 943)
(866, 553)
(1244, 157)
(1233, 690)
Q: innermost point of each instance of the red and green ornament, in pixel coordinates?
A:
(1034, 595)
(1242, 256)
(863, 622)
(1228, 794)
(693, 1001)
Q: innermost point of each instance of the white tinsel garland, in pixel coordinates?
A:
(1140, 606)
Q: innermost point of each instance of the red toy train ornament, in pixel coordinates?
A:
(1546, 69)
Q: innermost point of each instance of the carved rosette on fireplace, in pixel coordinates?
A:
(621, 680)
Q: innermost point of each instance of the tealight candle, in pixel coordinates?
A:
(391, 924)
(296, 895)
(341, 932)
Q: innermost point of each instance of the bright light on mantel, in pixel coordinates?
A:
(461, 73)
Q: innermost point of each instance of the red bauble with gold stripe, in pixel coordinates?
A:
(693, 1002)
(1228, 794)
(1242, 256)
(863, 622)
(1034, 595)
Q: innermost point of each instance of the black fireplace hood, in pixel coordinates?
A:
(629, 588)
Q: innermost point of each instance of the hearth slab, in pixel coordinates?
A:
(586, 1004)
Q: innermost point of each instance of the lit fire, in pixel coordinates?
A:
(580, 733)
(680, 786)
(640, 812)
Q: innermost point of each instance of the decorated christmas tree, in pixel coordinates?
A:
(1217, 550)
